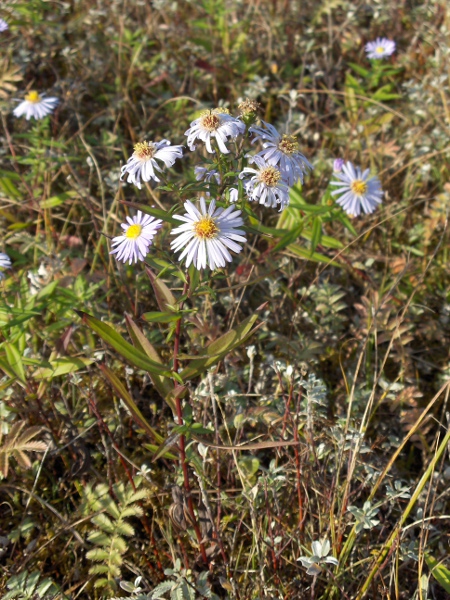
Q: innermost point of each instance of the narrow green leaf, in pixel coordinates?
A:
(130, 403)
(315, 256)
(358, 69)
(288, 238)
(62, 366)
(162, 384)
(162, 317)
(158, 213)
(220, 347)
(15, 361)
(129, 352)
(164, 296)
(439, 572)
(316, 233)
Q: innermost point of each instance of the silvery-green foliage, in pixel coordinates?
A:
(398, 490)
(30, 586)
(112, 528)
(182, 586)
(320, 552)
(364, 516)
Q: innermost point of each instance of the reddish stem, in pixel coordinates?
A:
(182, 442)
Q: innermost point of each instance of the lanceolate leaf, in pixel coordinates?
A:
(162, 384)
(439, 571)
(131, 405)
(220, 347)
(307, 255)
(164, 296)
(129, 352)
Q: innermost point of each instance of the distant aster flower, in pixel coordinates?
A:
(202, 174)
(357, 190)
(5, 263)
(338, 164)
(3, 25)
(137, 237)
(142, 163)
(380, 48)
(207, 234)
(282, 151)
(35, 105)
(267, 184)
(214, 124)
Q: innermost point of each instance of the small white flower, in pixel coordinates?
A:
(207, 234)
(267, 185)
(214, 124)
(142, 163)
(282, 151)
(380, 48)
(137, 238)
(5, 263)
(356, 190)
(36, 106)
(320, 551)
(3, 25)
(202, 174)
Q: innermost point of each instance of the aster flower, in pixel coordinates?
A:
(357, 190)
(202, 174)
(214, 124)
(207, 233)
(142, 163)
(282, 151)
(3, 25)
(137, 237)
(5, 263)
(267, 184)
(35, 105)
(380, 48)
(338, 164)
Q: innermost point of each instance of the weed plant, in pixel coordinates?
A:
(277, 428)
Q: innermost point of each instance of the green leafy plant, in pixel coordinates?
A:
(112, 529)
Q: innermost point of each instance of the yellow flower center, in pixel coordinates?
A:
(379, 49)
(288, 144)
(206, 228)
(358, 187)
(144, 150)
(133, 232)
(270, 176)
(210, 121)
(33, 97)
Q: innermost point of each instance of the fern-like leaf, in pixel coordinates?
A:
(17, 443)
(112, 529)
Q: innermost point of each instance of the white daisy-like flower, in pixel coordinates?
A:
(35, 105)
(142, 163)
(267, 184)
(282, 151)
(357, 190)
(207, 233)
(137, 237)
(3, 25)
(214, 124)
(5, 263)
(380, 48)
